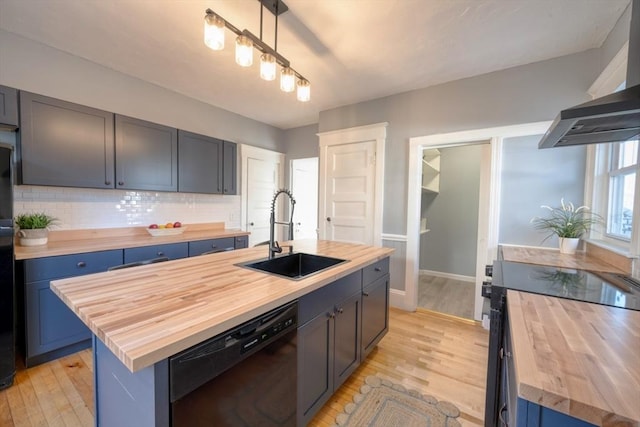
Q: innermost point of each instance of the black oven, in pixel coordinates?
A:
(581, 285)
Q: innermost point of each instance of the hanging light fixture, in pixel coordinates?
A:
(304, 90)
(268, 67)
(287, 80)
(214, 31)
(246, 41)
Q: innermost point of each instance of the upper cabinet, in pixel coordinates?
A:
(199, 163)
(146, 155)
(230, 172)
(8, 106)
(65, 144)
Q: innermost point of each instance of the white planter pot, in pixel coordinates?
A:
(35, 237)
(568, 245)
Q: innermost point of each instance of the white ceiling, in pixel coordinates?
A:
(350, 50)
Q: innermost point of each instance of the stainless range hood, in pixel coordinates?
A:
(611, 118)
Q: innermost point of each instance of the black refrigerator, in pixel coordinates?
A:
(7, 287)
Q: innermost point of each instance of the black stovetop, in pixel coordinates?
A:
(600, 288)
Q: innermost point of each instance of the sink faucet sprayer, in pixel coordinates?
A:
(274, 247)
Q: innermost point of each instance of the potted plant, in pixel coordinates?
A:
(33, 228)
(568, 223)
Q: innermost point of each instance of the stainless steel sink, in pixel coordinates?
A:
(294, 266)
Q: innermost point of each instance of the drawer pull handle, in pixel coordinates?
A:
(340, 311)
(331, 315)
(160, 253)
(377, 269)
(81, 264)
(107, 183)
(502, 419)
(364, 294)
(213, 246)
(120, 182)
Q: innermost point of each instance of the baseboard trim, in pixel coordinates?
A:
(397, 299)
(452, 276)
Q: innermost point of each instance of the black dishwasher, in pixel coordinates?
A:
(246, 376)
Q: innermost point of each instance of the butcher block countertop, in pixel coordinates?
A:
(148, 313)
(553, 257)
(577, 358)
(67, 242)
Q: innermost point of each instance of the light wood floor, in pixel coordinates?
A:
(437, 354)
(447, 296)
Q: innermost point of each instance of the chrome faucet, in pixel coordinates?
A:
(274, 247)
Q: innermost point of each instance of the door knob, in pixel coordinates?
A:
(251, 224)
(329, 219)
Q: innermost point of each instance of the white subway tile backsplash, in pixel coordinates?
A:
(88, 208)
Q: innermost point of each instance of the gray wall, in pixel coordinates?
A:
(299, 143)
(31, 66)
(531, 178)
(529, 93)
(452, 214)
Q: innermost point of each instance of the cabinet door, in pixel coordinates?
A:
(199, 163)
(242, 242)
(347, 339)
(65, 144)
(315, 365)
(230, 168)
(8, 106)
(50, 323)
(146, 155)
(144, 253)
(211, 246)
(375, 314)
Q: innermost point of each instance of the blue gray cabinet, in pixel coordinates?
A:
(230, 168)
(144, 253)
(328, 342)
(375, 304)
(211, 246)
(52, 329)
(8, 106)
(242, 242)
(146, 155)
(200, 163)
(64, 144)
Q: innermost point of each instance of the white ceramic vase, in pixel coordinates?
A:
(34, 237)
(568, 245)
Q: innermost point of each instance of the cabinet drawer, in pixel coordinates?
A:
(375, 271)
(211, 245)
(242, 242)
(310, 305)
(70, 265)
(170, 250)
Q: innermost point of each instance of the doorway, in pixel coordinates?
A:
(262, 176)
(449, 228)
(304, 187)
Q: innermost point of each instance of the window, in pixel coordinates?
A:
(622, 178)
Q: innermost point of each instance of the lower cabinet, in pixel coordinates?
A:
(144, 253)
(211, 246)
(375, 313)
(52, 330)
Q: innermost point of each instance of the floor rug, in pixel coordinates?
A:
(382, 403)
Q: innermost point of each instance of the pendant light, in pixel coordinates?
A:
(304, 90)
(268, 67)
(244, 51)
(214, 31)
(287, 80)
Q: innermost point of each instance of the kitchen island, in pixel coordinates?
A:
(142, 316)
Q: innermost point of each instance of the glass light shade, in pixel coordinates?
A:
(214, 31)
(287, 80)
(244, 51)
(268, 67)
(304, 90)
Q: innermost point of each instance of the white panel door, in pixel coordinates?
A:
(350, 192)
(262, 177)
(304, 187)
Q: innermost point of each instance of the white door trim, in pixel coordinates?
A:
(377, 132)
(489, 206)
(247, 151)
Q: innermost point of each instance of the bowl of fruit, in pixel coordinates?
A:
(168, 229)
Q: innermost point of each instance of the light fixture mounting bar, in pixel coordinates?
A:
(265, 48)
(277, 7)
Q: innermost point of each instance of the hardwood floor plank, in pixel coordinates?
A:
(437, 354)
(454, 297)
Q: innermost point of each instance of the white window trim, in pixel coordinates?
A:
(596, 188)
